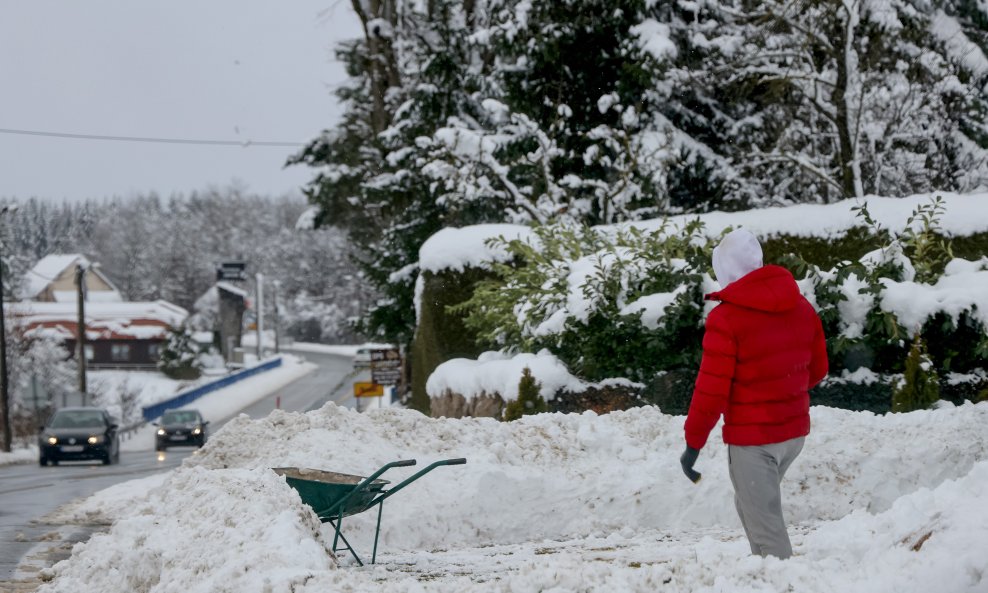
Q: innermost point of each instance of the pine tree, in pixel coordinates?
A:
(179, 356)
(919, 388)
(529, 400)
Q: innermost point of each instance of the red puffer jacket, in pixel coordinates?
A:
(762, 351)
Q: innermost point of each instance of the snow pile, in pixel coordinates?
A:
(251, 529)
(865, 493)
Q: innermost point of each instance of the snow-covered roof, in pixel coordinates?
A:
(51, 267)
(104, 320)
(964, 215)
(47, 270)
(230, 288)
(98, 296)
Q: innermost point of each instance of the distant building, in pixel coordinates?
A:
(118, 334)
(52, 280)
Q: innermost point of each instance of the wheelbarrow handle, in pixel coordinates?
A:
(458, 461)
(340, 505)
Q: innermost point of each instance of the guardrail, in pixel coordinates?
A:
(128, 431)
(189, 396)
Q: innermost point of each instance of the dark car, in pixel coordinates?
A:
(180, 427)
(79, 433)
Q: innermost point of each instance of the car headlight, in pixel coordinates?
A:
(197, 430)
(161, 432)
(52, 441)
(95, 440)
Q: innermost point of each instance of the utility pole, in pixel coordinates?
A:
(4, 387)
(80, 280)
(277, 319)
(260, 315)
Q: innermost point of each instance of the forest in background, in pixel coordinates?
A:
(168, 248)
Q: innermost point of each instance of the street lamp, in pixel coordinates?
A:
(4, 385)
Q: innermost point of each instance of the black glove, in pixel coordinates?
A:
(687, 459)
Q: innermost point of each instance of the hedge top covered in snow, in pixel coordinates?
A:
(457, 248)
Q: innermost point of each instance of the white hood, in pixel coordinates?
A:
(738, 254)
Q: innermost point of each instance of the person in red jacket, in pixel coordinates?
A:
(763, 349)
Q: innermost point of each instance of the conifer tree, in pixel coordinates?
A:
(179, 356)
(530, 400)
(919, 388)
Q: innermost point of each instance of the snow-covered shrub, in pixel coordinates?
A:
(619, 303)
(918, 388)
(911, 284)
(180, 355)
(529, 400)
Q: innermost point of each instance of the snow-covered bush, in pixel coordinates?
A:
(180, 355)
(911, 285)
(611, 303)
(918, 388)
(529, 400)
(619, 301)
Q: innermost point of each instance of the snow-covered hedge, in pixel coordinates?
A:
(626, 301)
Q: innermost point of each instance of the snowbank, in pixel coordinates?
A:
(877, 503)
(247, 532)
(494, 372)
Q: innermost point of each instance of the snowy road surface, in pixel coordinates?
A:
(30, 494)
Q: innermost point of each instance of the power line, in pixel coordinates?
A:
(243, 143)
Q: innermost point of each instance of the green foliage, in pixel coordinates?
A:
(919, 388)
(569, 289)
(529, 400)
(925, 246)
(179, 356)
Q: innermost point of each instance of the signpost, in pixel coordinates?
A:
(368, 390)
(232, 270)
(387, 369)
(386, 366)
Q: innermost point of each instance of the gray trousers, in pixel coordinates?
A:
(756, 473)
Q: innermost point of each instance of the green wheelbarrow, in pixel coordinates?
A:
(334, 496)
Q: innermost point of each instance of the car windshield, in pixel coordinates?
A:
(179, 417)
(77, 419)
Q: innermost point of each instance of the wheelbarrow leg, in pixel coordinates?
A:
(377, 532)
(340, 535)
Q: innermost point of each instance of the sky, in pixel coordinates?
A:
(232, 70)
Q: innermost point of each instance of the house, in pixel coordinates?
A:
(124, 335)
(53, 280)
(119, 334)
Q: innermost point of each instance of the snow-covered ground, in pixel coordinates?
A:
(553, 502)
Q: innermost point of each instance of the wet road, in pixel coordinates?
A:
(29, 492)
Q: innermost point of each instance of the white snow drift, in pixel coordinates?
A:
(551, 502)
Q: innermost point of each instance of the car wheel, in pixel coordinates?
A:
(43, 461)
(107, 459)
(53, 461)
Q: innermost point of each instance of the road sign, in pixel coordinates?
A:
(386, 376)
(385, 355)
(368, 390)
(233, 270)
